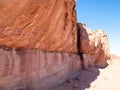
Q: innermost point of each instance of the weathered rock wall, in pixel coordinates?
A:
(42, 24)
(48, 25)
(28, 69)
(95, 45)
(40, 43)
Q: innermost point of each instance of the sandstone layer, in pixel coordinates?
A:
(42, 24)
(42, 44)
(28, 69)
(95, 45)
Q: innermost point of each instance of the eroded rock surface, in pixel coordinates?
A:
(40, 42)
(29, 69)
(94, 45)
(42, 24)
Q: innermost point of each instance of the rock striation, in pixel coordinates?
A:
(42, 44)
(94, 46)
(41, 24)
(29, 69)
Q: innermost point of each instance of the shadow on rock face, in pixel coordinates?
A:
(81, 82)
(94, 45)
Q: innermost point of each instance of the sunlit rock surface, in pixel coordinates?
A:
(42, 24)
(95, 45)
(40, 44)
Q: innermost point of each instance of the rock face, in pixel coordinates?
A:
(40, 44)
(42, 24)
(29, 69)
(94, 45)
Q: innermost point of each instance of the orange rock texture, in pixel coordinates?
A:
(42, 44)
(42, 24)
(95, 45)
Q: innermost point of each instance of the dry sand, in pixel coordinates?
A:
(95, 78)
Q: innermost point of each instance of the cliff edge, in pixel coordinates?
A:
(42, 44)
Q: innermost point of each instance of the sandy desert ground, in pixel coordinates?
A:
(95, 78)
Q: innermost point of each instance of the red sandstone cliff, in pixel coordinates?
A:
(95, 45)
(43, 24)
(31, 29)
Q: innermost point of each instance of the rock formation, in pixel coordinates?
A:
(42, 24)
(42, 44)
(28, 69)
(94, 45)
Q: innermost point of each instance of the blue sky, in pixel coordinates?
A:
(102, 14)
